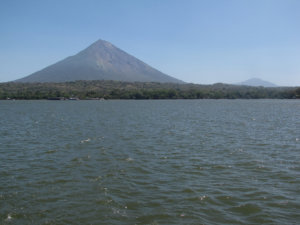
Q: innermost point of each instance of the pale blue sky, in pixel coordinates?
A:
(193, 40)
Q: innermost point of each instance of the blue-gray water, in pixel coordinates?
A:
(150, 162)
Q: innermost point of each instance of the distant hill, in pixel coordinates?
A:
(256, 82)
(100, 61)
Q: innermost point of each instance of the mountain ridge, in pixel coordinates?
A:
(100, 61)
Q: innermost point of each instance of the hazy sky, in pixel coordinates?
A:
(196, 41)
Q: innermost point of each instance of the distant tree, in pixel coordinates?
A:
(297, 93)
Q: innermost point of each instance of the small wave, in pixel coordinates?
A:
(51, 151)
(96, 179)
(247, 209)
(120, 212)
(86, 140)
(201, 198)
(9, 217)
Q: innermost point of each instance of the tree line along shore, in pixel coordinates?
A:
(140, 90)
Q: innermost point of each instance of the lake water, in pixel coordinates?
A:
(150, 162)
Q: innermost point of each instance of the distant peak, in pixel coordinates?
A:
(257, 82)
(255, 79)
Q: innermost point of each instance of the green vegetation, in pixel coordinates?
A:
(140, 90)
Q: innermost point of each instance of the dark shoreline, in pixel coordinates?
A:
(100, 90)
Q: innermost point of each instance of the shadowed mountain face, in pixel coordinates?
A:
(100, 61)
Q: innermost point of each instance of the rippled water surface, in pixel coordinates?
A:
(150, 162)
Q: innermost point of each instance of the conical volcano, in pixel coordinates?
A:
(100, 61)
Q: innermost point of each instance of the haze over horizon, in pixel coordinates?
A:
(195, 41)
